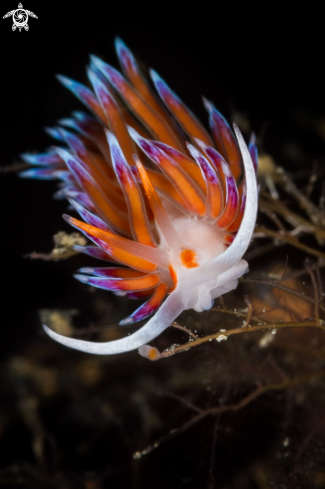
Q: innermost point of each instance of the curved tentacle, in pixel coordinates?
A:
(241, 242)
(169, 311)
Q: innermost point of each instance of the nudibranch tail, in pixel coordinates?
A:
(170, 209)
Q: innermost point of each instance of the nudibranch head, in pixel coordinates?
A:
(156, 193)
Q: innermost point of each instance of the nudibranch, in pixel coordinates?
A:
(157, 194)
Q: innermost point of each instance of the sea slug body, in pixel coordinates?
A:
(170, 208)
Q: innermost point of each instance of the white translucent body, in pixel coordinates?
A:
(217, 272)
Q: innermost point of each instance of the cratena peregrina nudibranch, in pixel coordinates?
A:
(156, 193)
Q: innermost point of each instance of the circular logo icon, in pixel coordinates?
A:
(20, 18)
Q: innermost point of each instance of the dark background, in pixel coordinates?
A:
(263, 64)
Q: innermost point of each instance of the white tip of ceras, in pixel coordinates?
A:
(125, 322)
(207, 104)
(193, 151)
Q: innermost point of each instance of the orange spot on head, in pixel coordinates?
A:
(188, 258)
(173, 276)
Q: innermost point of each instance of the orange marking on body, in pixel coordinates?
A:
(174, 278)
(188, 258)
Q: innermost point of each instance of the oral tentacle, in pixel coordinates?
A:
(167, 313)
(244, 235)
